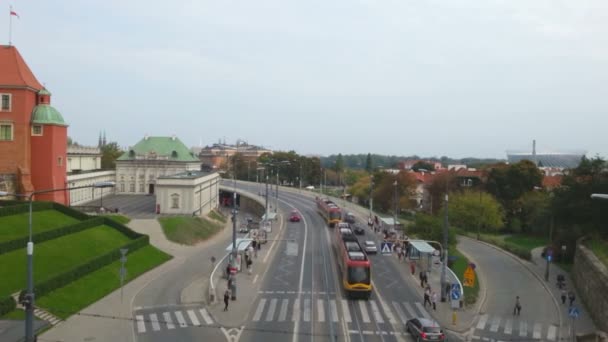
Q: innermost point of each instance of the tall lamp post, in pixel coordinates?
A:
(371, 200)
(445, 243)
(395, 206)
(28, 301)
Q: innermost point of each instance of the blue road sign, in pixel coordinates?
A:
(455, 293)
(386, 248)
(573, 312)
(549, 258)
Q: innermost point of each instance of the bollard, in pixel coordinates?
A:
(453, 317)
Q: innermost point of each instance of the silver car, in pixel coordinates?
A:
(425, 330)
(370, 247)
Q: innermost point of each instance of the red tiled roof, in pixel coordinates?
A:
(14, 72)
(552, 181)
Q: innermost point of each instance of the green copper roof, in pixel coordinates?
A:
(43, 91)
(162, 148)
(47, 115)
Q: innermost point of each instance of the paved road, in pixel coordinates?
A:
(134, 206)
(506, 278)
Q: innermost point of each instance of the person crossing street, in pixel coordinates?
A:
(226, 299)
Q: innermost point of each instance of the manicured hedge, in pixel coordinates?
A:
(12, 245)
(70, 212)
(121, 228)
(24, 207)
(77, 272)
(7, 305)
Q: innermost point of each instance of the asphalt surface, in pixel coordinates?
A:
(134, 206)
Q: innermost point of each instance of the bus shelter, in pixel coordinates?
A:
(241, 248)
(422, 254)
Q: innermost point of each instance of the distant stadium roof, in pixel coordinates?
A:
(566, 160)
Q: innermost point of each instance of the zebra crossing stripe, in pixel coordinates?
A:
(180, 319)
(423, 311)
(306, 310)
(320, 311)
(523, 329)
(259, 310)
(400, 313)
(388, 312)
(193, 318)
(364, 314)
(206, 316)
(376, 311)
(154, 322)
(509, 326)
(345, 311)
(537, 331)
(551, 333)
(410, 309)
(296, 310)
(168, 320)
(334, 310)
(283, 311)
(495, 324)
(482, 322)
(141, 325)
(271, 309)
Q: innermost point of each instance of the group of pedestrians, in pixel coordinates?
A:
(430, 297)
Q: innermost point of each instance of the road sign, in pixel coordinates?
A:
(469, 277)
(386, 248)
(455, 293)
(573, 312)
(549, 258)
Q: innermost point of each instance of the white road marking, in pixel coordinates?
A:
(537, 331)
(180, 319)
(296, 310)
(523, 329)
(306, 310)
(364, 314)
(551, 333)
(482, 322)
(388, 312)
(320, 311)
(271, 308)
(410, 309)
(334, 310)
(400, 313)
(255, 279)
(154, 321)
(367, 332)
(345, 311)
(141, 324)
(376, 311)
(280, 292)
(495, 324)
(259, 310)
(422, 310)
(283, 311)
(206, 316)
(509, 326)
(193, 318)
(168, 320)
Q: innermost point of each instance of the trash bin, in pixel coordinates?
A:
(451, 260)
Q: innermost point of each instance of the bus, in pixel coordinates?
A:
(329, 210)
(354, 265)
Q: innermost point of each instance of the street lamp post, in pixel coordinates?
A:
(371, 200)
(29, 295)
(445, 243)
(395, 206)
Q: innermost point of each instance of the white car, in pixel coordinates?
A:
(370, 247)
(310, 187)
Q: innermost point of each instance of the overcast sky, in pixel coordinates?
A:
(443, 77)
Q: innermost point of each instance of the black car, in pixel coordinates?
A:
(359, 230)
(349, 218)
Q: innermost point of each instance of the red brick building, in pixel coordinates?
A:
(33, 134)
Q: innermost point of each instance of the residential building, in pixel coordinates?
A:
(187, 193)
(214, 156)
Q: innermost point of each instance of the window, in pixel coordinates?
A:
(141, 187)
(131, 187)
(37, 130)
(6, 131)
(6, 102)
(175, 201)
(122, 187)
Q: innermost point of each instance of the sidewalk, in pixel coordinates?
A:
(584, 324)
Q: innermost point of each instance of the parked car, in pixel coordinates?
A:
(295, 216)
(370, 247)
(359, 230)
(349, 218)
(424, 330)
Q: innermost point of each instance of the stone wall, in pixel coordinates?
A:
(252, 206)
(591, 278)
(8, 183)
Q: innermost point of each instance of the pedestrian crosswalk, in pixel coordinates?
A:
(166, 320)
(514, 326)
(335, 310)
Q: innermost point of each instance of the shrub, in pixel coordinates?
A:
(7, 305)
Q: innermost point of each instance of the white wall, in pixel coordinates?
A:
(80, 196)
(135, 177)
(83, 162)
(193, 194)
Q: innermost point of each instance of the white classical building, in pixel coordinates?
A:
(152, 157)
(83, 158)
(187, 193)
(84, 169)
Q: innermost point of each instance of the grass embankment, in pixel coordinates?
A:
(217, 216)
(188, 230)
(122, 219)
(460, 265)
(15, 315)
(599, 247)
(57, 256)
(520, 245)
(526, 241)
(16, 226)
(81, 293)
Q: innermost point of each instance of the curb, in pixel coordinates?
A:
(538, 277)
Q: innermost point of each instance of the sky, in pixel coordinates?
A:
(460, 78)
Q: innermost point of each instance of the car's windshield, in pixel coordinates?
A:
(358, 275)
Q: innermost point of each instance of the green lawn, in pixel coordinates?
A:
(599, 247)
(459, 266)
(16, 315)
(16, 226)
(79, 294)
(188, 230)
(56, 256)
(217, 216)
(118, 218)
(526, 241)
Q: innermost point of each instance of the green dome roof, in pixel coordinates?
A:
(47, 115)
(43, 91)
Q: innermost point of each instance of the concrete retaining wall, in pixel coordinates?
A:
(591, 278)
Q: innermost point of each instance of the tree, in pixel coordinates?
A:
(534, 212)
(509, 182)
(437, 190)
(470, 210)
(369, 165)
(423, 165)
(384, 189)
(430, 228)
(109, 153)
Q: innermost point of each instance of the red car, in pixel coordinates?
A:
(295, 216)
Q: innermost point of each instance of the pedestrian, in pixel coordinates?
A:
(571, 297)
(434, 300)
(564, 296)
(249, 262)
(425, 278)
(517, 308)
(226, 299)
(427, 296)
(421, 278)
(251, 251)
(228, 271)
(398, 249)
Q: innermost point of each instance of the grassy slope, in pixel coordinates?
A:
(118, 218)
(188, 230)
(459, 266)
(16, 226)
(81, 293)
(526, 241)
(216, 216)
(599, 248)
(56, 256)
